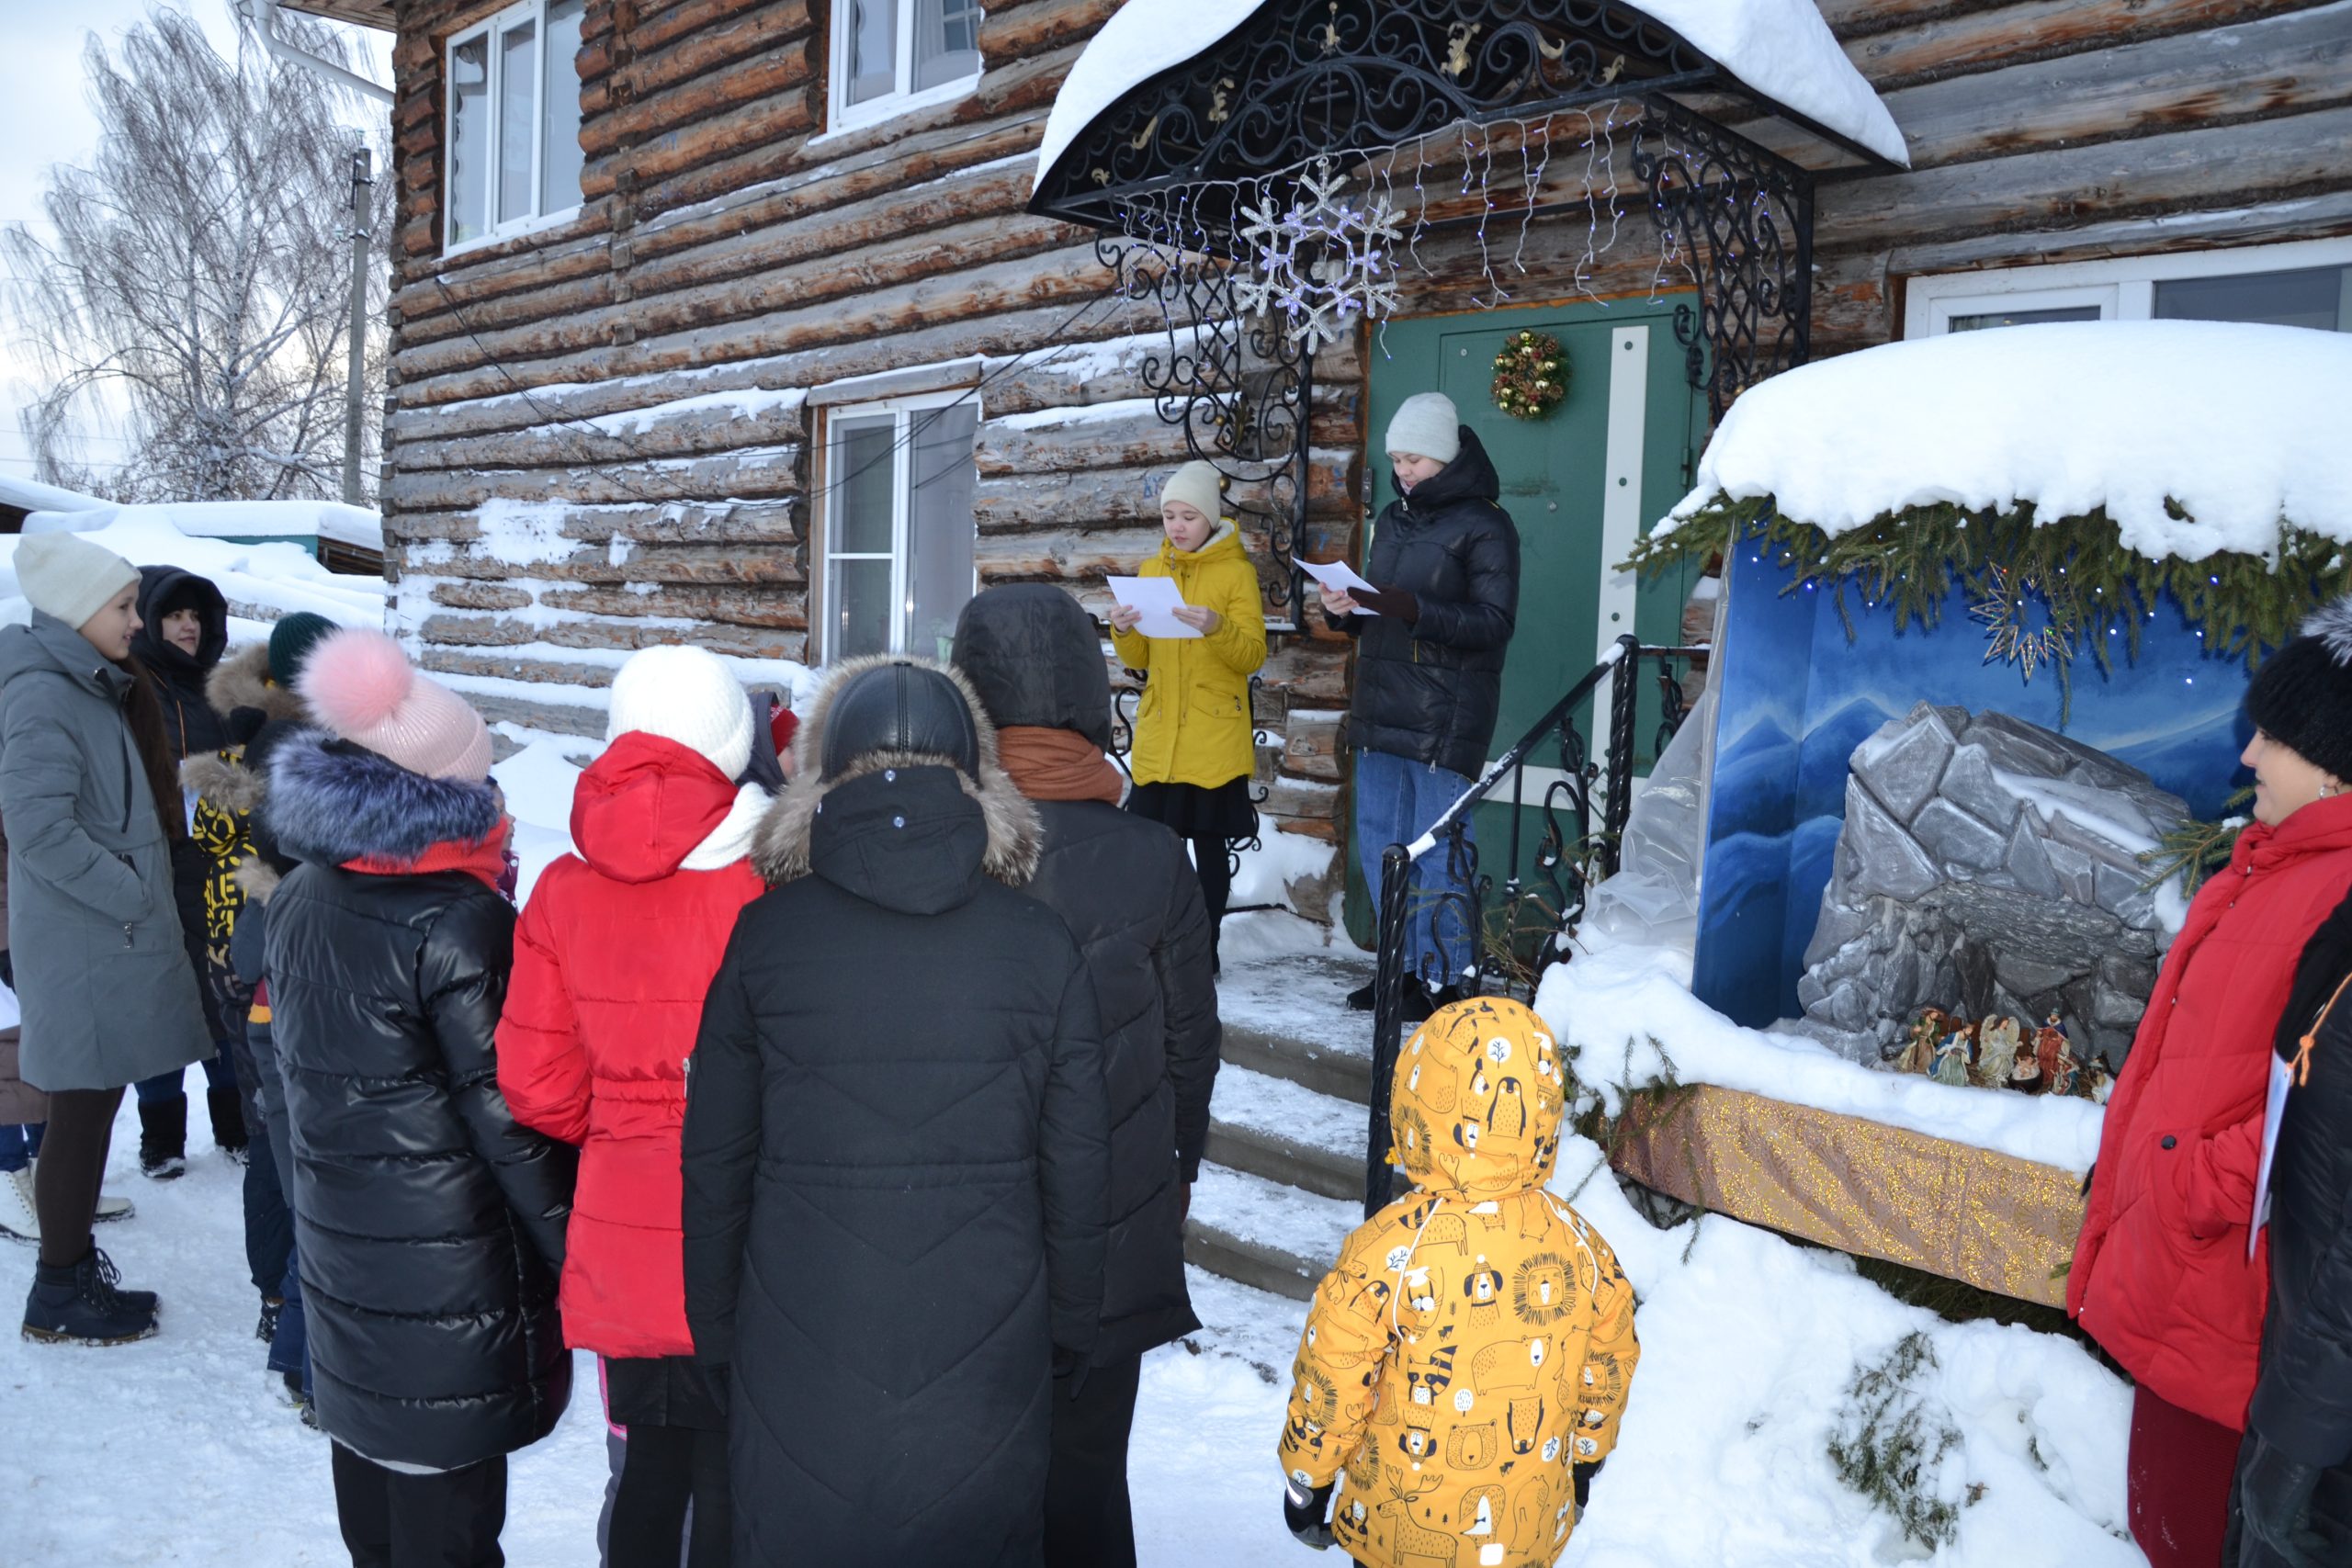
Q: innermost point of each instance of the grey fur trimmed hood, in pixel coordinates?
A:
(241, 681)
(1015, 835)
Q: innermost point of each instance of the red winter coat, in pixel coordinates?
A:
(2161, 1276)
(612, 958)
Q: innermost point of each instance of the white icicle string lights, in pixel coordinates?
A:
(1316, 257)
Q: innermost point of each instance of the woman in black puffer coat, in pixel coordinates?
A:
(1122, 884)
(1429, 670)
(895, 1149)
(2293, 1504)
(430, 1225)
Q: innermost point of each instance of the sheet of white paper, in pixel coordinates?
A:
(1158, 598)
(2273, 1108)
(1338, 577)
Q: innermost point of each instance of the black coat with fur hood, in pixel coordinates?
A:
(895, 1156)
(429, 1223)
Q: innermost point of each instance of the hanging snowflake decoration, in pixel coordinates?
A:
(1321, 265)
(2005, 608)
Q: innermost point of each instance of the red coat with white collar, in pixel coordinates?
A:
(612, 959)
(2161, 1275)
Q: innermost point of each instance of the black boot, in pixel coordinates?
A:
(143, 1301)
(162, 1137)
(227, 1121)
(76, 1305)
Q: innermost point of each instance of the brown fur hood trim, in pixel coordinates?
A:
(241, 681)
(1016, 837)
(218, 781)
(257, 878)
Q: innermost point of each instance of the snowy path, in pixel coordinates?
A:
(172, 1451)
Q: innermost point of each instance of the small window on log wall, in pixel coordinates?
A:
(514, 133)
(899, 531)
(893, 55)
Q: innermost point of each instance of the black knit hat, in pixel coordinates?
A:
(2301, 697)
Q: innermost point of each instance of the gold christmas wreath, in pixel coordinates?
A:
(1530, 375)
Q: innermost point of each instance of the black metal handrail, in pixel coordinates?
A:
(1566, 865)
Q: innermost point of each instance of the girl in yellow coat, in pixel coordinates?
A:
(1193, 754)
(1466, 1361)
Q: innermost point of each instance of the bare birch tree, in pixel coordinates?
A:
(196, 285)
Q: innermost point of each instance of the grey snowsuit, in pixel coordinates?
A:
(103, 974)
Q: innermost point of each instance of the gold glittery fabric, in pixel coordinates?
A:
(1987, 1219)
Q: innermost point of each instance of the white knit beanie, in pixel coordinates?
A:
(66, 576)
(360, 685)
(689, 695)
(1425, 425)
(1196, 485)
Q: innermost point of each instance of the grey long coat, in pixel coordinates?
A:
(102, 972)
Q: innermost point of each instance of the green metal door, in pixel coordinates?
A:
(1582, 484)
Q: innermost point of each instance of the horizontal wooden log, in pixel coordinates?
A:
(1311, 743)
(686, 41)
(1062, 277)
(775, 127)
(1855, 19)
(1092, 498)
(2232, 165)
(1304, 671)
(2304, 217)
(991, 196)
(469, 285)
(1298, 802)
(2038, 29)
(693, 433)
(1017, 32)
(946, 256)
(1853, 302)
(669, 129)
(2288, 63)
(754, 473)
(460, 595)
(1029, 335)
(1084, 439)
(687, 523)
(782, 609)
(555, 717)
(496, 667)
(582, 297)
(481, 635)
(773, 565)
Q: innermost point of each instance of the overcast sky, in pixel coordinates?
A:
(45, 120)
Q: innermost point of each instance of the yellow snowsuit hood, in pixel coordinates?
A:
(1475, 1338)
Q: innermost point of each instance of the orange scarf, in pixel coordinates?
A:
(484, 860)
(1058, 764)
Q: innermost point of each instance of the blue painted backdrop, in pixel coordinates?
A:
(1798, 695)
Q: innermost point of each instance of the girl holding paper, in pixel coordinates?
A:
(1194, 753)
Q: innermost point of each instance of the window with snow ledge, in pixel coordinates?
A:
(897, 545)
(890, 56)
(2303, 282)
(513, 137)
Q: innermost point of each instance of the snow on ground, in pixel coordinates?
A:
(1618, 1006)
(175, 1451)
(2068, 416)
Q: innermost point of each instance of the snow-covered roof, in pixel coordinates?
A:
(30, 495)
(260, 581)
(2242, 426)
(353, 525)
(1781, 49)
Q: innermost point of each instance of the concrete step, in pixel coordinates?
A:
(1285, 1132)
(1266, 1235)
(1287, 1017)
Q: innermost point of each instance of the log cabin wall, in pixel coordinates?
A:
(603, 434)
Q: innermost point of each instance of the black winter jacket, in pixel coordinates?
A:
(2302, 1400)
(895, 1159)
(194, 728)
(430, 1225)
(1123, 886)
(1431, 689)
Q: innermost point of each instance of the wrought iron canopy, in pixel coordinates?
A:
(1304, 78)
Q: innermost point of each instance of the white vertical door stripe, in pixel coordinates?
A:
(1621, 507)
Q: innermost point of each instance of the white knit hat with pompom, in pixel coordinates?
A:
(689, 695)
(360, 685)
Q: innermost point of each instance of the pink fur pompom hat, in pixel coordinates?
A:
(360, 685)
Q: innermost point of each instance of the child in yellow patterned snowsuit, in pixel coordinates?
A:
(1466, 1363)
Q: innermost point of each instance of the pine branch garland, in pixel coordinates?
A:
(2245, 605)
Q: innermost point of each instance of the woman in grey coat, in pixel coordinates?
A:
(103, 974)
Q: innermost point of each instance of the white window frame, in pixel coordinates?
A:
(842, 115)
(2123, 287)
(903, 411)
(489, 28)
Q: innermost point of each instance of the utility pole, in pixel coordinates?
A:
(355, 372)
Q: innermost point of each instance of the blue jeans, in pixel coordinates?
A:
(217, 1074)
(1396, 799)
(20, 1144)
